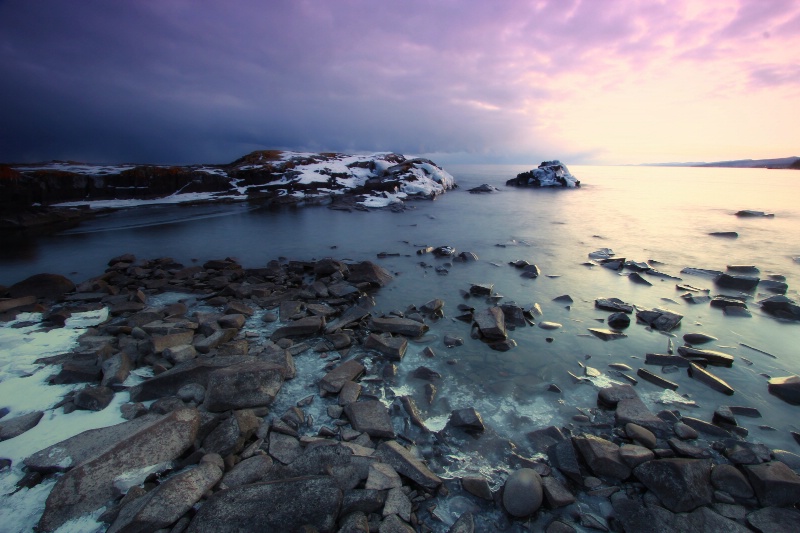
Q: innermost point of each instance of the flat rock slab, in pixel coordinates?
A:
(406, 464)
(633, 410)
(369, 272)
(284, 505)
(169, 501)
(243, 385)
(169, 382)
(334, 380)
(90, 484)
(400, 326)
(775, 484)
(351, 316)
(660, 319)
(371, 417)
(774, 520)
(491, 323)
(394, 348)
(786, 388)
(14, 427)
(681, 484)
(303, 327)
(602, 456)
(606, 334)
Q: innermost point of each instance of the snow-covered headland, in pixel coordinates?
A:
(265, 176)
(549, 174)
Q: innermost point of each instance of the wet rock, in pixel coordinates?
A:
(660, 319)
(368, 272)
(464, 524)
(491, 323)
(737, 312)
(637, 278)
(304, 327)
(549, 325)
(698, 338)
(370, 417)
(786, 388)
(334, 380)
(397, 503)
(614, 305)
(284, 448)
(705, 427)
(704, 376)
(737, 281)
(481, 289)
(243, 385)
(563, 456)
(14, 427)
(522, 493)
(634, 411)
(682, 431)
(788, 458)
(485, 188)
(666, 360)
(467, 419)
(633, 455)
(684, 449)
(91, 484)
(618, 320)
(382, 477)
(610, 396)
(606, 334)
(169, 501)
(93, 398)
(556, 493)
(47, 286)
(602, 457)
(477, 486)
(730, 479)
(406, 464)
(774, 520)
(294, 503)
(399, 326)
(251, 470)
(706, 357)
(230, 434)
(778, 287)
(681, 484)
(726, 234)
(394, 348)
(640, 434)
(774, 483)
(656, 379)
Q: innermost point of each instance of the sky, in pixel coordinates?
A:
(587, 82)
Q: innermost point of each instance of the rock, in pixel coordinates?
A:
(334, 380)
(618, 320)
(704, 376)
(614, 305)
(394, 524)
(726, 234)
(477, 486)
(406, 464)
(781, 307)
(786, 388)
(774, 520)
(90, 484)
(634, 411)
(684, 449)
(485, 188)
(698, 338)
(705, 427)
(549, 325)
(356, 522)
(394, 348)
(16, 303)
(611, 396)
(681, 484)
(641, 435)
(382, 477)
(548, 174)
(774, 483)
(304, 327)
(349, 393)
(638, 518)
(606, 334)
(522, 493)
(562, 455)
(481, 289)
(464, 524)
(704, 519)
(666, 360)
(730, 479)
(93, 398)
(14, 427)
(637, 278)
(235, 321)
(243, 385)
(251, 470)
(371, 417)
(706, 357)
(660, 319)
(556, 493)
(400, 326)
(738, 282)
(491, 323)
(205, 345)
(173, 498)
(397, 503)
(656, 379)
(47, 286)
(467, 419)
(284, 448)
(752, 213)
(168, 383)
(602, 457)
(368, 272)
(790, 459)
(633, 455)
(682, 431)
(293, 503)
(230, 434)
(116, 370)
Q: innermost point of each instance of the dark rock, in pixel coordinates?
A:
(522, 493)
(684, 449)
(730, 479)
(781, 307)
(726, 234)
(485, 188)
(778, 287)
(660, 319)
(394, 348)
(406, 464)
(634, 411)
(351, 316)
(563, 456)
(542, 439)
(491, 323)
(706, 357)
(786, 388)
(656, 379)
(610, 396)
(368, 272)
(93, 398)
(738, 282)
(666, 360)
(774, 483)
(14, 427)
(681, 484)
(243, 385)
(116, 370)
(304, 327)
(294, 503)
(47, 286)
(284, 448)
(606, 334)
(464, 524)
(477, 486)
(639, 434)
(371, 417)
(400, 326)
(168, 383)
(705, 427)
(477, 289)
(205, 345)
(556, 493)
(698, 338)
(634, 455)
(230, 434)
(704, 376)
(602, 457)
(637, 278)
(90, 484)
(467, 419)
(618, 320)
(334, 380)
(394, 524)
(774, 520)
(613, 304)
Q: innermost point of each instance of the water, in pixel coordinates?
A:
(642, 213)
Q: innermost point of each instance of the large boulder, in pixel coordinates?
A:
(90, 485)
(369, 272)
(548, 174)
(284, 505)
(247, 384)
(787, 388)
(170, 382)
(681, 484)
(48, 286)
(522, 493)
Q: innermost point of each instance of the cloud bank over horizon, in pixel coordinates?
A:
(179, 81)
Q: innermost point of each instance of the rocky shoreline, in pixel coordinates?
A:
(225, 433)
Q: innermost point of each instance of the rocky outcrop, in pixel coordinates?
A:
(548, 174)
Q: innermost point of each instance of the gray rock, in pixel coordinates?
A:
(643, 436)
(611, 396)
(284, 448)
(234, 321)
(371, 417)
(680, 484)
(618, 320)
(334, 380)
(556, 493)
(523, 493)
(168, 383)
(249, 471)
(90, 484)
(369, 272)
(491, 323)
(786, 388)
(684, 449)
(774, 483)
(638, 518)
(394, 524)
(562, 455)
(14, 427)
(399, 326)
(304, 327)
(606, 334)
(602, 456)
(116, 370)
(382, 477)
(464, 524)
(633, 455)
(169, 501)
(736, 281)
(397, 503)
(705, 427)
(477, 486)
(730, 479)
(706, 520)
(363, 501)
(790, 459)
(178, 338)
(293, 503)
(682, 431)
(230, 434)
(406, 464)
(394, 348)
(93, 398)
(243, 385)
(660, 319)
(356, 522)
(774, 520)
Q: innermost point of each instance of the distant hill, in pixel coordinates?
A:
(781, 162)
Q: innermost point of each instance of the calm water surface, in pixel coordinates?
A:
(642, 213)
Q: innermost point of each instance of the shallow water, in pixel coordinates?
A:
(642, 213)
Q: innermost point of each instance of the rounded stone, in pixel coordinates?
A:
(731, 480)
(641, 435)
(522, 493)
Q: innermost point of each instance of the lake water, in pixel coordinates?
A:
(641, 213)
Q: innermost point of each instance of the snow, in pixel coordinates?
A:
(77, 168)
(23, 389)
(178, 198)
